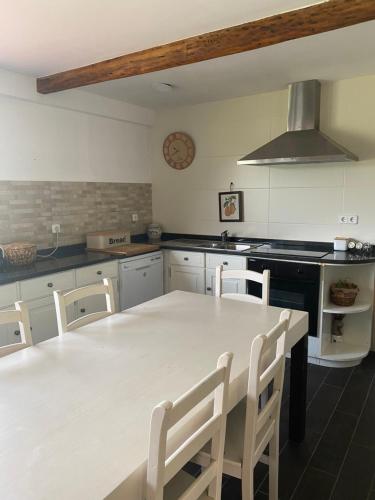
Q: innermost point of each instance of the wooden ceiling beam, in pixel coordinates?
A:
(318, 18)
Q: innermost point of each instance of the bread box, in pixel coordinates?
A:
(107, 239)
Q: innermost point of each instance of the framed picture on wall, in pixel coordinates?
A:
(231, 206)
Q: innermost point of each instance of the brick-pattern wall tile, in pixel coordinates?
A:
(28, 209)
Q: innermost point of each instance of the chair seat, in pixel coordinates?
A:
(178, 485)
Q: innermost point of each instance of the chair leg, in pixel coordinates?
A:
(273, 476)
(247, 482)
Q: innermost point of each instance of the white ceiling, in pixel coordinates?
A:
(44, 37)
(40, 37)
(336, 55)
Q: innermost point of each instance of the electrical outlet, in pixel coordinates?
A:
(56, 228)
(353, 219)
(134, 217)
(348, 219)
(343, 219)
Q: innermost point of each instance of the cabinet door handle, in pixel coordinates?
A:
(99, 272)
(50, 285)
(186, 258)
(82, 310)
(143, 267)
(225, 263)
(155, 258)
(17, 332)
(209, 288)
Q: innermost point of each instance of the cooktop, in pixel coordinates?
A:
(284, 250)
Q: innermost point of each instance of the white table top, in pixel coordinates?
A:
(75, 411)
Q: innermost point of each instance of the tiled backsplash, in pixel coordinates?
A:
(28, 209)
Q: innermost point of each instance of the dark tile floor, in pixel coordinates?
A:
(337, 459)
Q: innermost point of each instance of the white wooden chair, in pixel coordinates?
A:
(21, 316)
(63, 300)
(243, 274)
(251, 429)
(165, 479)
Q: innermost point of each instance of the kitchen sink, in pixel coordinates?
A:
(220, 245)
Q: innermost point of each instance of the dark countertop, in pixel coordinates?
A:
(66, 258)
(171, 242)
(75, 256)
(50, 265)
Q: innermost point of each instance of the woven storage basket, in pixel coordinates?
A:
(19, 253)
(343, 296)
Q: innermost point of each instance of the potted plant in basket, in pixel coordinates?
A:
(343, 293)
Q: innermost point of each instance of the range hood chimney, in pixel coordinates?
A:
(303, 142)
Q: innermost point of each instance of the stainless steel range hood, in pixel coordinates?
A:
(303, 142)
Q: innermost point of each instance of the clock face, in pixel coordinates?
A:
(179, 150)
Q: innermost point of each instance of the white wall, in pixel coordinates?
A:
(70, 136)
(292, 202)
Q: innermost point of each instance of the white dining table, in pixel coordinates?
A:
(75, 410)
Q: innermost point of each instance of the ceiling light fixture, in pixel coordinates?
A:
(163, 87)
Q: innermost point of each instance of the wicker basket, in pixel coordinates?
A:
(343, 296)
(19, 253)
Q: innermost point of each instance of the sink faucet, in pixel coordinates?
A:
(224, 236)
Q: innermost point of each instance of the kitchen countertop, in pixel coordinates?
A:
(76, 256)
(66, 258)
(50, 265)
(331, 257)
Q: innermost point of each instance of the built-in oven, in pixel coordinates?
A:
(293, 285)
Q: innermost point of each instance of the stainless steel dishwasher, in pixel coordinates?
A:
(141, 279)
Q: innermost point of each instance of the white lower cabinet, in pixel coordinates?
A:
(228, 262)
(187, 279)
(43, 319)
(95, 303)
(229, 286)
(38, 295)
(195, 271)
(9, 334)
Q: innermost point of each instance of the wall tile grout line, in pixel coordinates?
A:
(351, 440)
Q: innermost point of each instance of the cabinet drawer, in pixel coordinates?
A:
(8, 294)
(181, 258)
(92, 274)
(227, 261)
(45, 285)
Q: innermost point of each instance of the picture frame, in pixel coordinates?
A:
(231, 206)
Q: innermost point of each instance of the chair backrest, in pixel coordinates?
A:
(161, 469)
(19, 315)
(267, 362)
(243, 274)
(63, 300)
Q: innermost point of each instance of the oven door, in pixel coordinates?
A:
(293, 286)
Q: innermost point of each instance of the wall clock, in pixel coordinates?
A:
(179, 150)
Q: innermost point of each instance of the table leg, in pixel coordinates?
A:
(298, 386)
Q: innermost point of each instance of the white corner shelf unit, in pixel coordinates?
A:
(357, 321)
